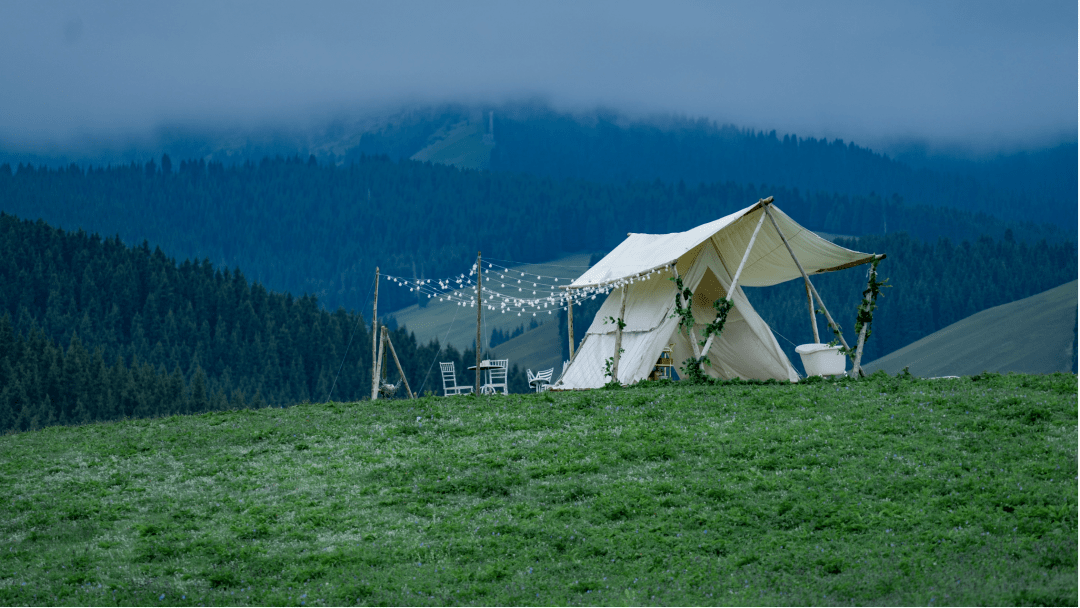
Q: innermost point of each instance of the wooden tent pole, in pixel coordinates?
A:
(806, 278)
(857, 366)
(813, 317)
(738, 272)
(746, 255)
(379, 364)
(405, 381)
(570, 319)
(375, 341)
(618, 333)
(479, 307)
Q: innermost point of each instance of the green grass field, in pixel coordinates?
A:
(882, 491)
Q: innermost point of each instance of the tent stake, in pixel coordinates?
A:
(479, 307)
(618, 333)
(570, 319)
(386, 338)
(806, 278)
(375, 341)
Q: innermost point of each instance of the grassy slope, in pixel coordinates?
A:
(461, 145)
(884, 491)
(1033, 335)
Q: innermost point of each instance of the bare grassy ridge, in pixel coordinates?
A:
(884, 491)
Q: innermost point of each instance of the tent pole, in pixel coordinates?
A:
(813, 317)
(375, 341)
(379, 363)
(618, 332)
(738, 272)
(856, 368)
(479, 307)
(684, 304)
(386, 336)
(806, 278)
(570, 319)
(746, 255)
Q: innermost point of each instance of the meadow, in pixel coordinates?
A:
(888, 490)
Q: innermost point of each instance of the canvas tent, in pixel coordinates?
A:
(706, 258)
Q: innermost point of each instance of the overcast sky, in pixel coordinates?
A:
(997, 74)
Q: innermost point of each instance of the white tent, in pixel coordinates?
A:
(706, 258)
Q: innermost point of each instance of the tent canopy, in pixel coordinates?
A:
(769, 262)
(706, 258)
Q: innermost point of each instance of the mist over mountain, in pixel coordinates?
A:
(608, 146)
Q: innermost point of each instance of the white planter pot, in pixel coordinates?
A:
(822, 359)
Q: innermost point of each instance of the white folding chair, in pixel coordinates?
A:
(496, 378)
(449, 381)
(542, 380)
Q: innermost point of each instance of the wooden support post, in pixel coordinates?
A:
(401, 372)
(618, 333)
(738, 272)
(379, 363)
(813, 315)
(479, 307)
(690, 333)
(570, 319)
(375, 341)
(806, 278)
(856, 369)
(746, 255)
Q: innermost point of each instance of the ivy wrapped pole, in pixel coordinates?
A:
(618, 332)
(866, 313)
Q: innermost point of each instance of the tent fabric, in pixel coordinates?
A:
(745, 349)
(705, 257)
(769, 262)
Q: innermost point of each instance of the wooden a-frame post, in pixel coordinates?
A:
(479, 307)
(738, 272)
(401, 372)
(375, 341)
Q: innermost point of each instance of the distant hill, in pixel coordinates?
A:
(1036, 335)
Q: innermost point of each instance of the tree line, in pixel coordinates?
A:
(91, 329)
(299, 226)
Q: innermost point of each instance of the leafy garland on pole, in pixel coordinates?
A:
(864, 314)
(692, 368)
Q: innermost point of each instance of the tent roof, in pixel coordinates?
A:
(769, 262)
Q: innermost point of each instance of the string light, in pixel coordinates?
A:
(546, 297)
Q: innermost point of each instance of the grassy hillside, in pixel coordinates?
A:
(1035, 335)
(885, 491)
(461, 145)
